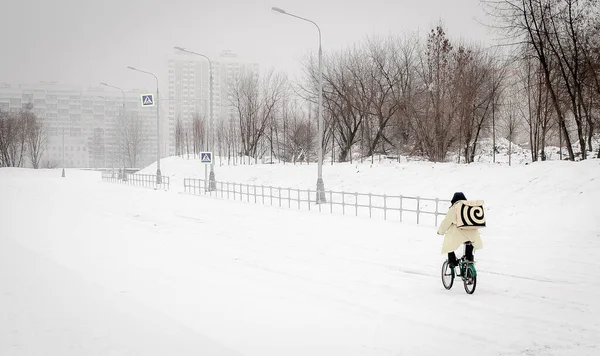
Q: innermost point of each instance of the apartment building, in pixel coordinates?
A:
(189, 83)
(88, 123)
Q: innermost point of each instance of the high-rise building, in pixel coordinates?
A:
(189, 93)
(97, 126)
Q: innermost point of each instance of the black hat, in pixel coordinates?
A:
(457, 196)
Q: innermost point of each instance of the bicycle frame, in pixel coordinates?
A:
(468, 273)
(463, 264)
(463, 268)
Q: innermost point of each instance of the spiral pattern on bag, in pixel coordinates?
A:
(472, 215)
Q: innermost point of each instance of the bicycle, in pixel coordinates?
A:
(468, 273)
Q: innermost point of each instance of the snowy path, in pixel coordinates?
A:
(268, 281)
(47, 309)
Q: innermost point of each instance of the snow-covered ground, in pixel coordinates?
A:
(523, 196)
(93, 268)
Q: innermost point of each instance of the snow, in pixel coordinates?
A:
(93, 268)
(519, 196)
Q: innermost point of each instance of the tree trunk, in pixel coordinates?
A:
(543, 145)
(509, 152)
(187, 145)
(494, 127)
(332, 147)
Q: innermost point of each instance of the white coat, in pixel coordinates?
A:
(455, 236)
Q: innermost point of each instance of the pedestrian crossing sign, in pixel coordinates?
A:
(206, 157)
(147, 100)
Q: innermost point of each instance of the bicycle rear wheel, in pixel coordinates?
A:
(470, 279)
(447, 275)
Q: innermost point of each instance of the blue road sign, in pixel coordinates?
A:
(206, 157)
(147, 100)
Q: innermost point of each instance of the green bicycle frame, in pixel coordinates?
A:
(463, 269)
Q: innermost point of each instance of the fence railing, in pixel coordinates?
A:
(388, 207)
(142, 180)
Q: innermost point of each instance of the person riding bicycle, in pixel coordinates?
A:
(455, 236)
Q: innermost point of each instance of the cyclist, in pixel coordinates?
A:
(455, 236)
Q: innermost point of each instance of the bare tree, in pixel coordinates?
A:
(535, 106)
(255, 101)
(590, 41)
(179, 136)
(233, 140)
(221, 133)
(476, 85)
(555, 33)
(291, 115)
(440, 95)
(34, 134)
(300, 136)
(20, 148)
(198, 133)
(510, 124)
(340, 95)
(13, 136)
(187, 138)
(404, 54)
(131, 139)
(564, 35)
(434, 122)
(7, 136)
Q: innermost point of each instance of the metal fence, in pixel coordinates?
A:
(388, 207)
(142, 180)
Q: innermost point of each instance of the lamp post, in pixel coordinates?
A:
(156, 100)
(211, 177)
(123, 119)
(320, 183)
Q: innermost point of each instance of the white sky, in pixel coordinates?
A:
(84, 42)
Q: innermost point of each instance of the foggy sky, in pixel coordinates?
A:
(84, 42)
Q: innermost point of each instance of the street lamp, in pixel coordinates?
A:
(158, 176)
(320, 184)
(123, 119)
(211, 178)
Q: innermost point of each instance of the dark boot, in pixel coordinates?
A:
(452, 262)
(469, 253)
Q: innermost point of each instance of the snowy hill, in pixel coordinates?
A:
(515, 196)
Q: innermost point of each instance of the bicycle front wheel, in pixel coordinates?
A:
(470, 280)
(447, 275)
